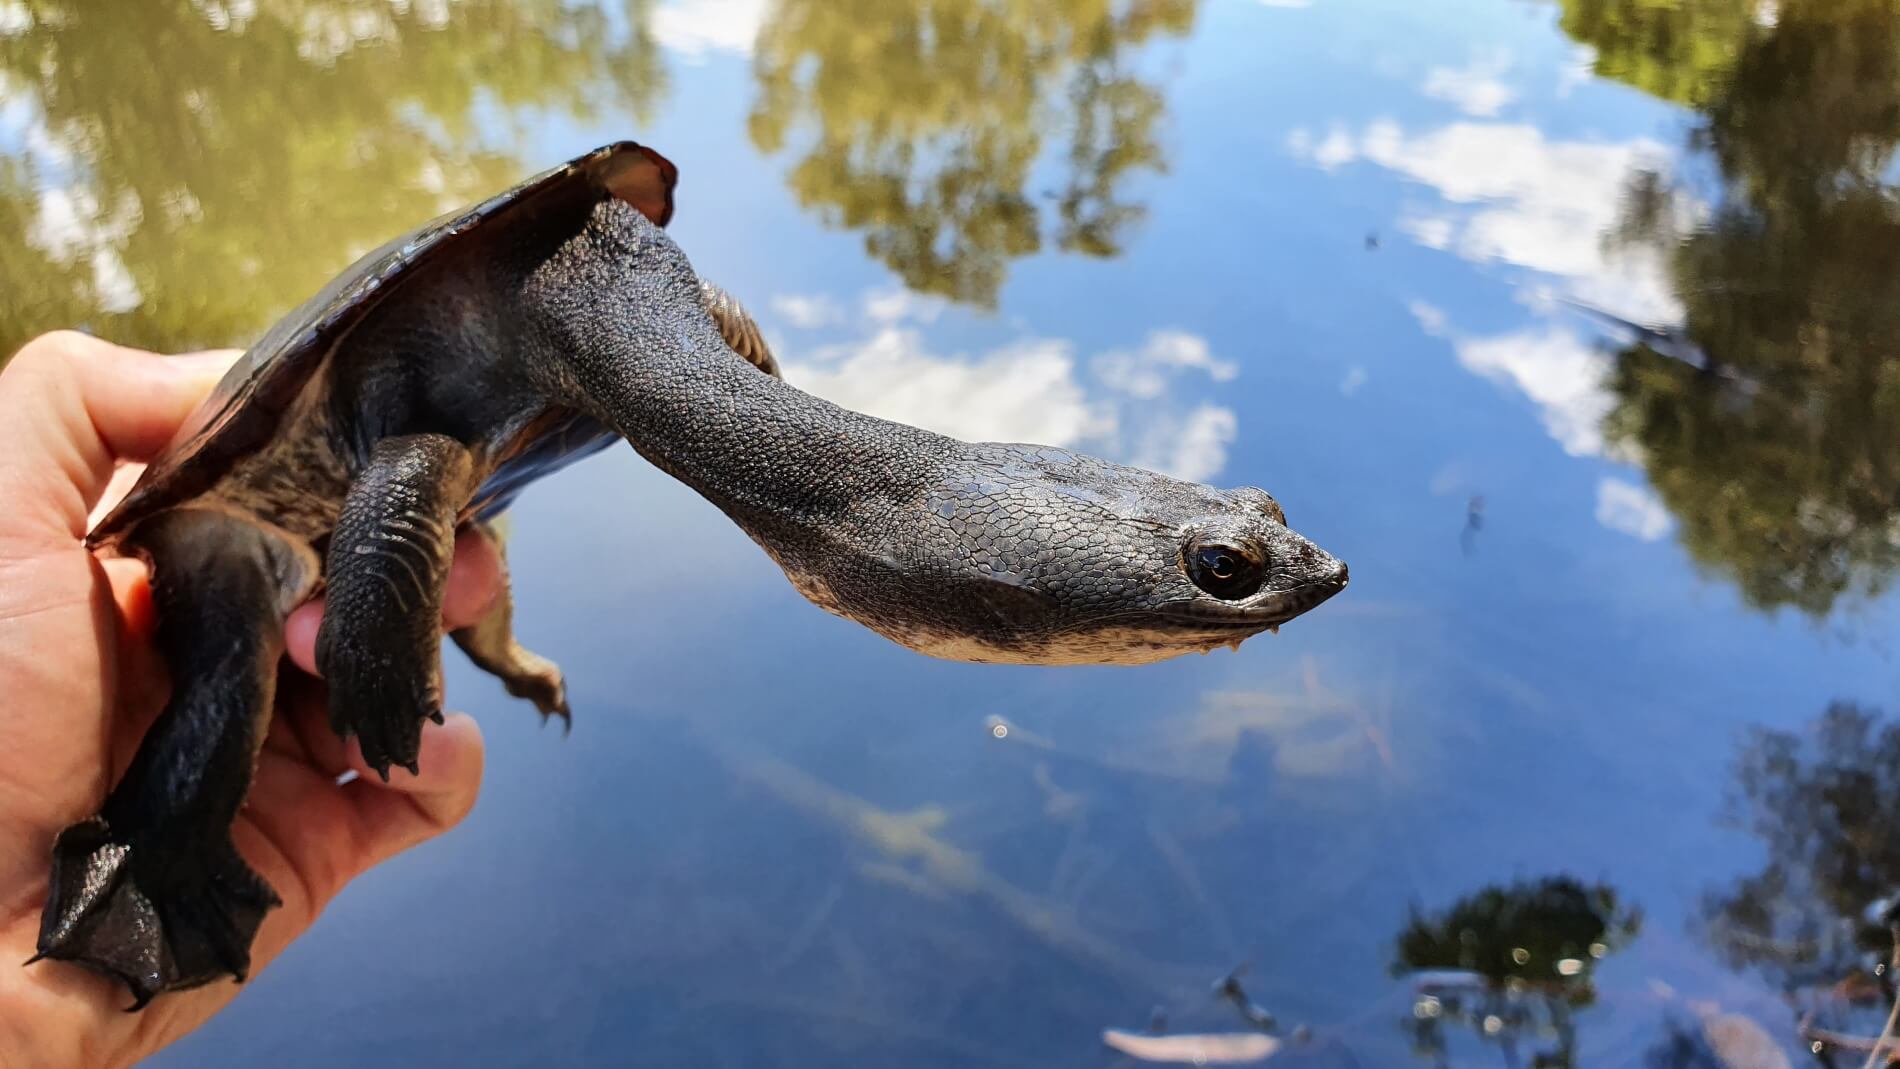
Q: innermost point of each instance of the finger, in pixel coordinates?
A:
(310, 836)
(301, 726)
(476, 578)
(143, 684)
(124, 477)
(475, 581)
(411, 809)
(80, 405)
(300, 635)
(132, 589)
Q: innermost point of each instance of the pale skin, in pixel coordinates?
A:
(79, 684)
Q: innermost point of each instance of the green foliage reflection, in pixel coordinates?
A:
(1513, 964)
(175, 175)
(1780, 455)
(927, 118)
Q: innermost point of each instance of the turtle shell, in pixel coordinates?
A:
(244, 410)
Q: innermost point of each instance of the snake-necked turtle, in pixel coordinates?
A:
(437, 376)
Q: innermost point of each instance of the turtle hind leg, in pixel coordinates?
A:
(156, 927)
(490, 643)
(152, 891)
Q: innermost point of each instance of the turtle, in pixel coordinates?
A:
(421, 390)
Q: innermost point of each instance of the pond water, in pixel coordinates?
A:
(1569, 325)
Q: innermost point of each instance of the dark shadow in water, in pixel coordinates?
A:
(186, 174)
(1778, 453)
(920, 122)
(1512, 965)
(1817, 920)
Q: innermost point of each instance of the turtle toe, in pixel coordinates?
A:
(538, 680)
(384, 712)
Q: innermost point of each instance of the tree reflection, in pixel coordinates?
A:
(1512, 964)
(1817, 919)
(927, 118)
(1677, 51)
(178, 174)
(1778, 455)
(1824, 803)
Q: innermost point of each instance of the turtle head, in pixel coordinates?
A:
(1239, 569)
(1040, 556)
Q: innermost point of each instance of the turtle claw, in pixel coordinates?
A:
(491, 644)
(538, 680)
(155, 917)
(383, 707)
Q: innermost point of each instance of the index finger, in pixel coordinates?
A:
(76, 406)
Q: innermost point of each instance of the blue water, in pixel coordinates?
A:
(773, 838)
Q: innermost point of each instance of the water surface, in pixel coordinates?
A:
(1570, 325)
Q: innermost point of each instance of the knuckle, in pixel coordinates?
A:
(51, 361)
(53, 348)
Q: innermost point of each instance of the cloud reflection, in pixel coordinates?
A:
(15, 18)
(1024, 391)
(1556, 369)
(1477, 88)
(1634, 510)
(1120, 403)
(1305, 730)
(806, 312)
(1508, 194)
(694, 29)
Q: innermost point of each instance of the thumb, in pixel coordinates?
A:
(411, 809)
(76, 407)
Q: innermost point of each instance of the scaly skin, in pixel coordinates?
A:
(978, 552)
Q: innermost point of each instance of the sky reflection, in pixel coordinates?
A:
(1573, 342)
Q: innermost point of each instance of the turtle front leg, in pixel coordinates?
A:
(380, 646)
(152, 890)
(491, 644)
(737, 327)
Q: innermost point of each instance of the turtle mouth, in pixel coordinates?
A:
(1258, 613)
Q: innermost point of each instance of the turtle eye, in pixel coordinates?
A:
(1226, 572)
(1218, 565)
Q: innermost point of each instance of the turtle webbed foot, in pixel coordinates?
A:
(153, 919)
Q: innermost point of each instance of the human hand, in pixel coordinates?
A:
(80, 683)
